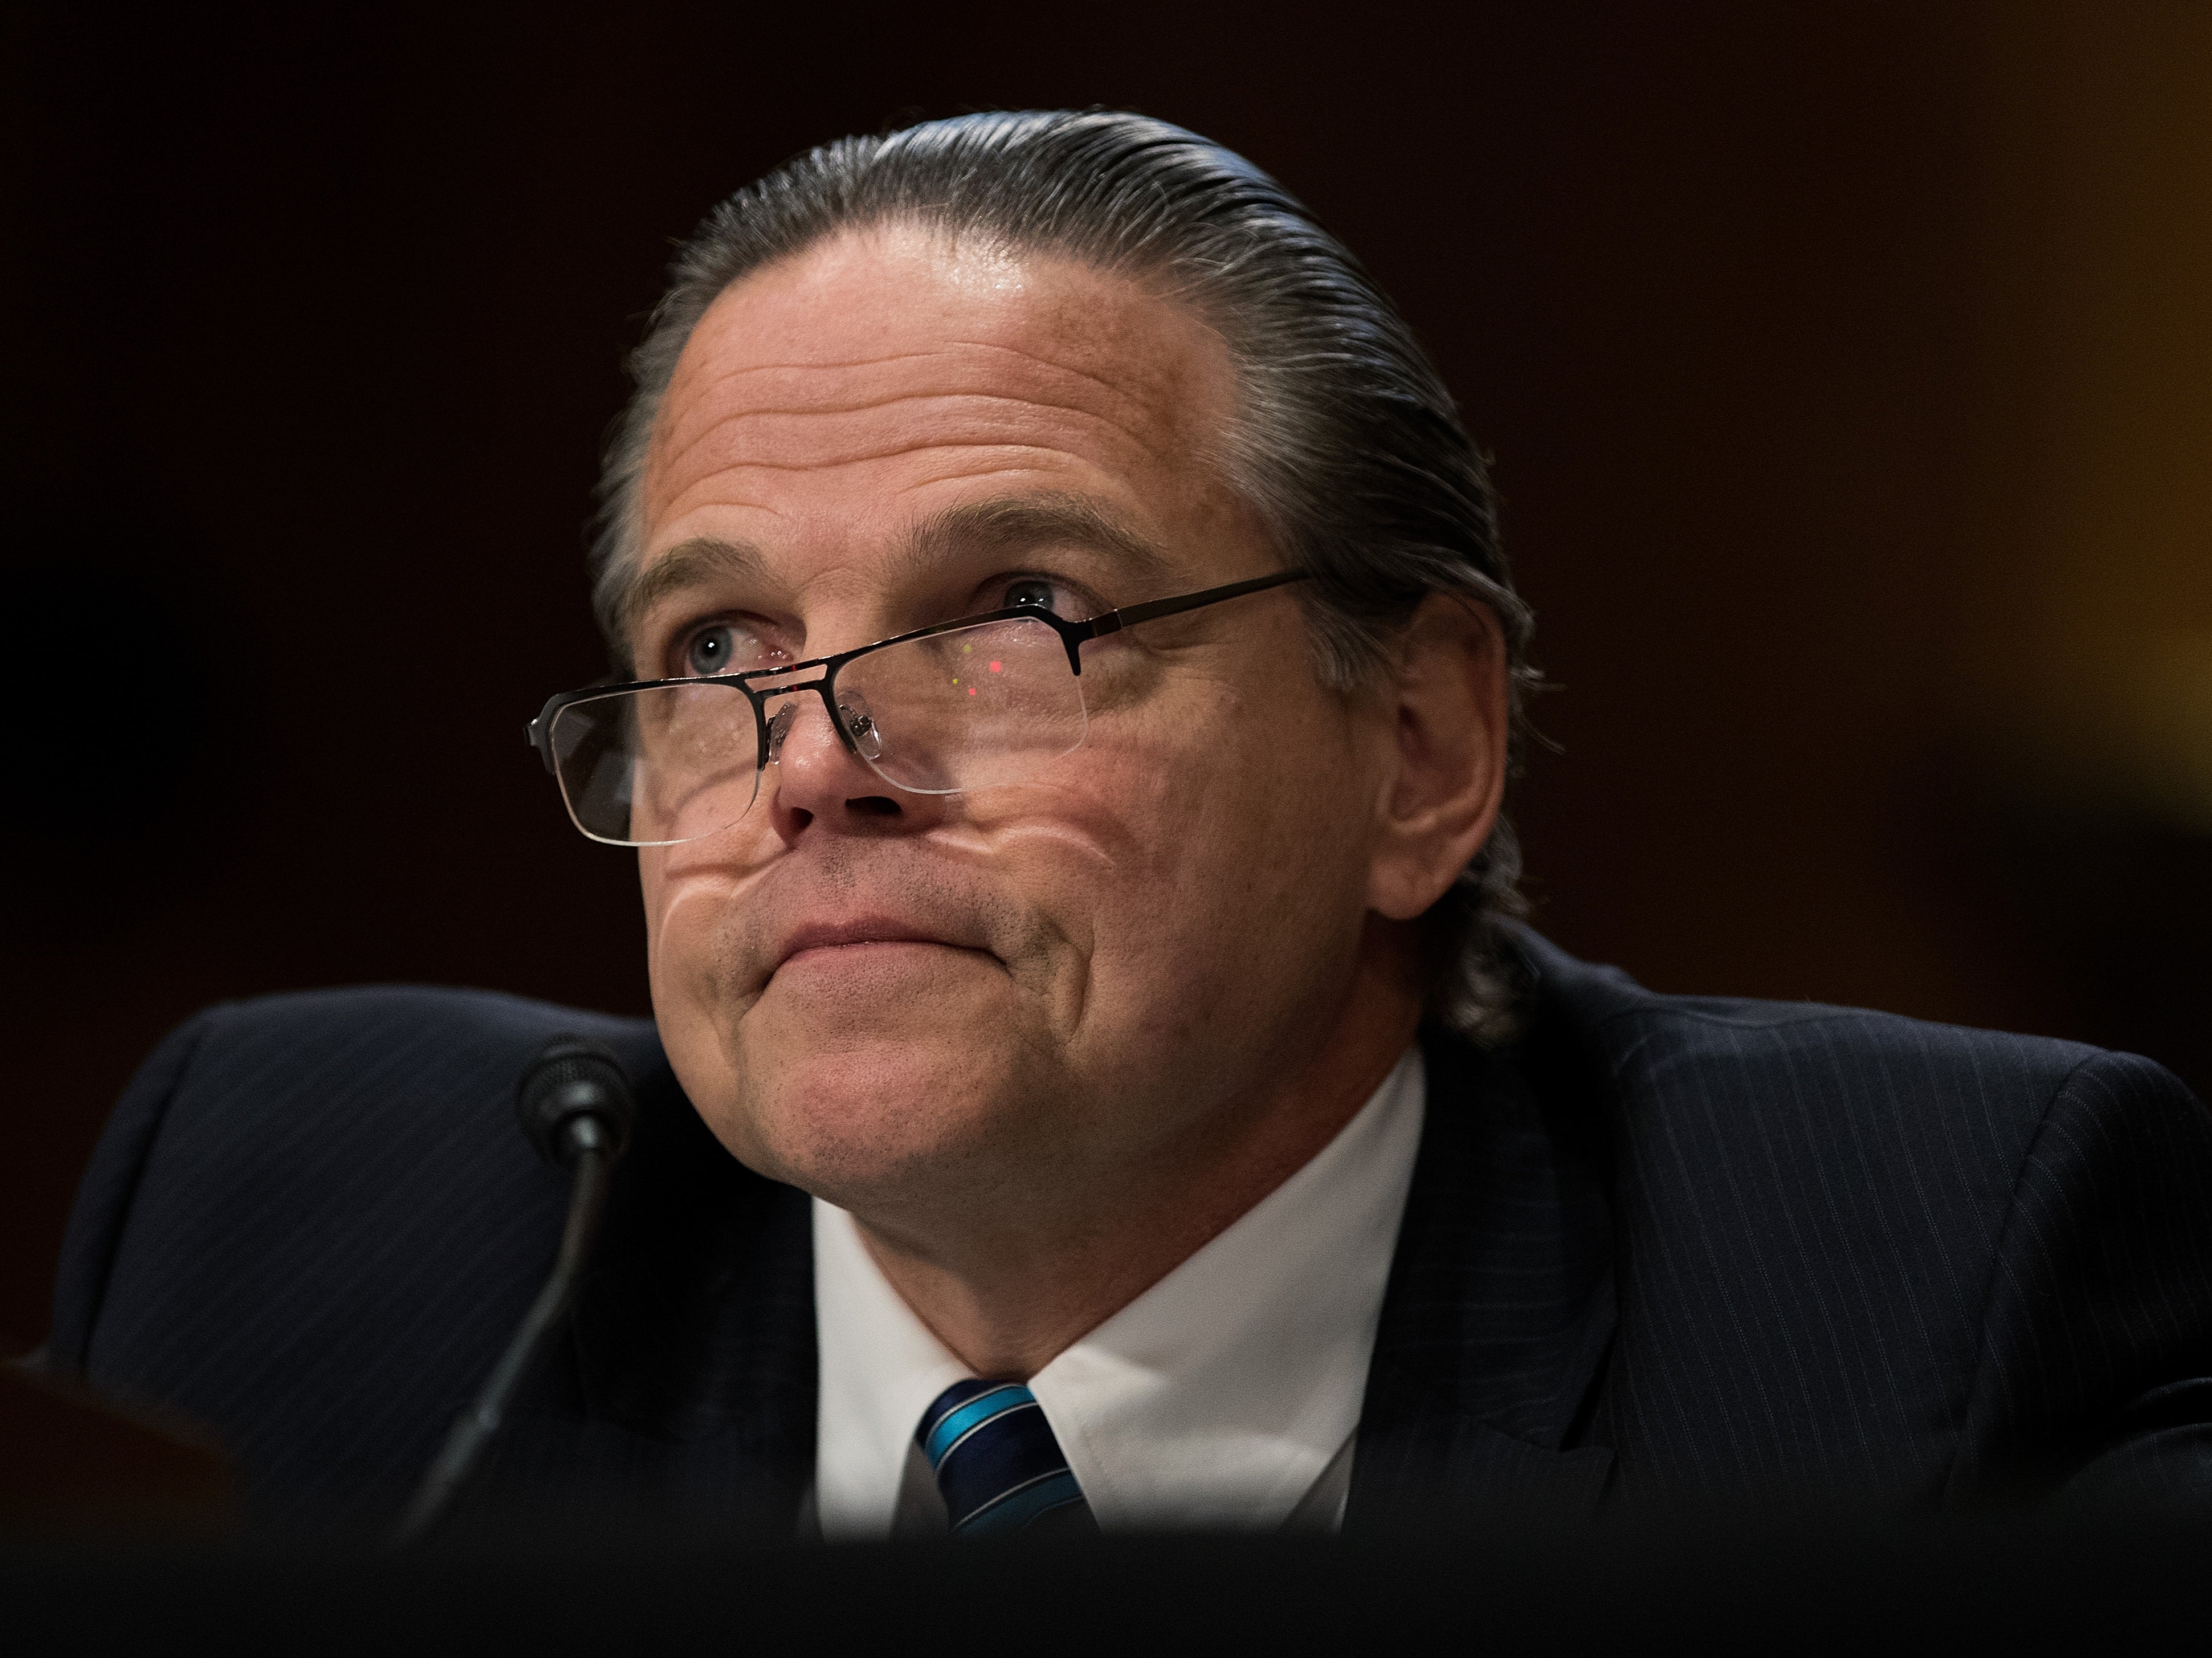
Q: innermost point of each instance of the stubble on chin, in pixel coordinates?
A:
(902, 1122)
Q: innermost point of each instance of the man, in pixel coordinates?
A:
(1096, 1078)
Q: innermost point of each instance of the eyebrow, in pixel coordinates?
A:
(1017, 524)
(1006, 525)
(693, 563)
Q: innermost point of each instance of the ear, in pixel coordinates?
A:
(1448, 776)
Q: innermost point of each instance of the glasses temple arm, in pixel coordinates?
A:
(1129, 615)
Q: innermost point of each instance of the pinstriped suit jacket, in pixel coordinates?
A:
(1659, 1249)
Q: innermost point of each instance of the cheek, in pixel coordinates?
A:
(1239, 857)
(652, 882)
(693, 895)
(671, 923)
(686, 915)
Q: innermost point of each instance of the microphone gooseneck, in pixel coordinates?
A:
(574, 1105)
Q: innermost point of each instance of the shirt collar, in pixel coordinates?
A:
(1216, 1397)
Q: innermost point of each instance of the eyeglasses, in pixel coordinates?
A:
(967, 705)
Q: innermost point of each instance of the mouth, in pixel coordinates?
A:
(849, 941)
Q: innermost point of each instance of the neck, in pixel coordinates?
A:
(1007, 1302)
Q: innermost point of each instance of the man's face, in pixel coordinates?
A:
(1036, 991)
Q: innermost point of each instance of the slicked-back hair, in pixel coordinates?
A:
(1344, 438)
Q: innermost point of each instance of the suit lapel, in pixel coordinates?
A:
(1499, 1311)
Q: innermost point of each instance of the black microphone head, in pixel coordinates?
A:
(568, 1081)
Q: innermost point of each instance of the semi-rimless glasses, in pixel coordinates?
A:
(967, 705)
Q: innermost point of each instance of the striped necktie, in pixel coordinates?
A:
(998, 1466)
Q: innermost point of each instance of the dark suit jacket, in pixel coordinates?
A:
(1659, 1249)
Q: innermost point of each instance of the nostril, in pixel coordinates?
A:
(873, 806)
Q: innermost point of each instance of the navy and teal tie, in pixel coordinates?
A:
(998, 1466)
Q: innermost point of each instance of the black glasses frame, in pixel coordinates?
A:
(1072, 635)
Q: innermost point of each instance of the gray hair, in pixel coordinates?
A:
(1346, 443)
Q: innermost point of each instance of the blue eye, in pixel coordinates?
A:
(712, 651)
(1029, 592)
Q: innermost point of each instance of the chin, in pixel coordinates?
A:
(882, 1120)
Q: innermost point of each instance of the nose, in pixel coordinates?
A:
(815, 781)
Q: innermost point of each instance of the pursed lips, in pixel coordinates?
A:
(822, 936)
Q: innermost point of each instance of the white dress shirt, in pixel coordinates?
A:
(1225, 1395)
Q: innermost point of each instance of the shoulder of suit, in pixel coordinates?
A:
(1717, 1051)
(402, 1028)
(451, 1011)
(283, 1083)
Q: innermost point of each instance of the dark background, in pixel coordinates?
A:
(1846, 369)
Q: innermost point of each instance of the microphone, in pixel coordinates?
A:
(574, 1106)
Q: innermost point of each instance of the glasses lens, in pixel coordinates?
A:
(964, 709)
(652, 767)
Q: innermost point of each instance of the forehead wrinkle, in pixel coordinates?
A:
(1051, 364)
(711, 380)
(672, 453)
(676, 503)
(676, 491)
(743, 368)
(1047, 367)
(1146, 402)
